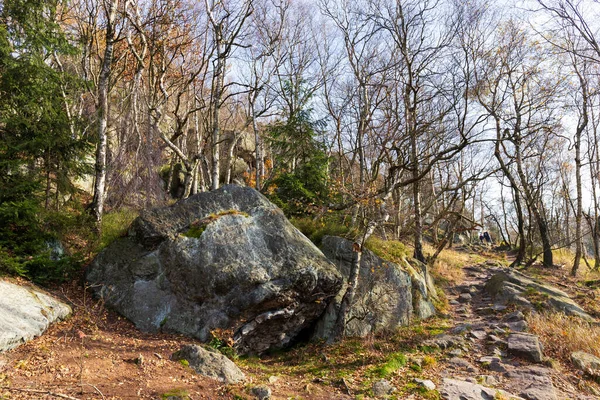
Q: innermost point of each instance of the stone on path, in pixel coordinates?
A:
(26, 312)
(532, 383)
(526, 346)
(426, 383)
(454, 389)
(444, 341)
(517, 326)
(209, 362)
(586, 362)
(383, 388)
(458, 362)
(465, 298)
(261, 392)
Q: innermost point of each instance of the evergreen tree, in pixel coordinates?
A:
(39, 146)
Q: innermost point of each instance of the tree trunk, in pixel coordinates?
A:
(103, 86)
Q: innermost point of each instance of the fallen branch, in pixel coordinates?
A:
(47, 392)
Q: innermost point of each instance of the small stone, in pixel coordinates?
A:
(496, 339)
(426, 383)
(479, 334)
(460, 328)
(139, 360)
(456, 353)
(489, 380)
(383, 388)
(489, 359)
(209, 362)
(444, 341)
(453, 302)
(465, 298)
(261, 392)
(518, 326)
(462, 363)
(499, 307)
(525, 345)
(273, 379)
(513, 316)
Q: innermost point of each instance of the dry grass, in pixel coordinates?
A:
(563, 335)
(448, 268)
(565, 258)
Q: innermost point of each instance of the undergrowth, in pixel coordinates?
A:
(563, 335)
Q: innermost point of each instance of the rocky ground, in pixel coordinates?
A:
(478, 349)
(492, 350)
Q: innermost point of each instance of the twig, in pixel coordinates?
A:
(62, 396)
(95, 388)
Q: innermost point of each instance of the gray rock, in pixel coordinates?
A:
(496, 340)
(510, 286)
(513, 316)
(426, 383)
(383, 388)
(464, 298)
(209, 362)
(453, 389)
(533, 383)
(226, 259)
(26, 312)
(462, 363)
(525, 345)
(456, 353)
(586, 362)
(479, 334)
(383, 300)
(261, 392)
(489, 380)
(517, 326)
(444, 341)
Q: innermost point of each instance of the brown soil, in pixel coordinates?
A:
(96, 354)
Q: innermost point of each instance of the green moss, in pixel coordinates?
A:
(195, 231)
(115, 225)
(175, 393)
(393, 363)
(198, 227)
(184, 362)
(316, 229)
(390, 250)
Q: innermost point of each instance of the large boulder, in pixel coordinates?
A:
(26, 312)
(226, 260)
(388, 295)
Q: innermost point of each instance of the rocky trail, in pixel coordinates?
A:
(480, 348)
(492, 354)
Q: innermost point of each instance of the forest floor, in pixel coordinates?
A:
(96, 354)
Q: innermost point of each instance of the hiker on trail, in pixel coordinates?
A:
(481, 237)
(487, 237)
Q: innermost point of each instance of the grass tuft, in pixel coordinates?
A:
(394, 362)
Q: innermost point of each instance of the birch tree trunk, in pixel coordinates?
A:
(103, 89)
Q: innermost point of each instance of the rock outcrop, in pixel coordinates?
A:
(227, 260)
(26, 312)
(388, 295)
(586, 362)
(511, 286)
